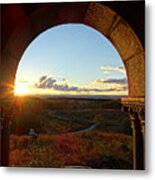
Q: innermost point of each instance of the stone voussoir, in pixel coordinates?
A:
(100, 17)
(135, 71)
(125, 40)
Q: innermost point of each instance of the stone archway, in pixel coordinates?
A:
(22, 23)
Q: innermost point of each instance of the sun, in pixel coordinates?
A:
(21, 89)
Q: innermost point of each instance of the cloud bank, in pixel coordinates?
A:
(121, 81)
(46, 82)
(108, 69)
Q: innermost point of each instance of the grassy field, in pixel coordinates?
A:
(108, 145)
(90, 149)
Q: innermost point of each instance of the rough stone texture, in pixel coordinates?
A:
(72, 13)
(54, 14)
(125, 40)
(135, 72)
(100, 17)
(133, 13)
(13, 17)
(18, 42)
(43, 18)
(9, 67)
(8, 71)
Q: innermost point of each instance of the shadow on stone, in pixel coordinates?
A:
(109, 162)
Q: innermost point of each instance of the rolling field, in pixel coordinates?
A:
(71, 132)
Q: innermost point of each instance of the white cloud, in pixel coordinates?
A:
(108, 69)
(51, 83)
(106, 72)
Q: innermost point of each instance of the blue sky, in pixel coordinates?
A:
(73, 55)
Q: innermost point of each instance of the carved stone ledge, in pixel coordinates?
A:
(135, 107)
(134, 103)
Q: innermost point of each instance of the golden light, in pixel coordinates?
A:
(21, 89)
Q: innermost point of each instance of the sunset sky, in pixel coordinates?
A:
(71, 59)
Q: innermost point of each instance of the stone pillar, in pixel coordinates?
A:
(5, 141)
(138, 144)
(6, 115)
(141, 115)
(136, 110)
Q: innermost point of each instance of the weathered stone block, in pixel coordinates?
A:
(125, 40)
(18, 42)
(44, 18)
(8, 66)
(7, 74)
(100, 17)
(136, 75)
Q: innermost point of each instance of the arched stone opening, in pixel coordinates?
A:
(27, 21)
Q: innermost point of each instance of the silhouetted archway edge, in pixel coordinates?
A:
(26, 22)
(98, 16)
